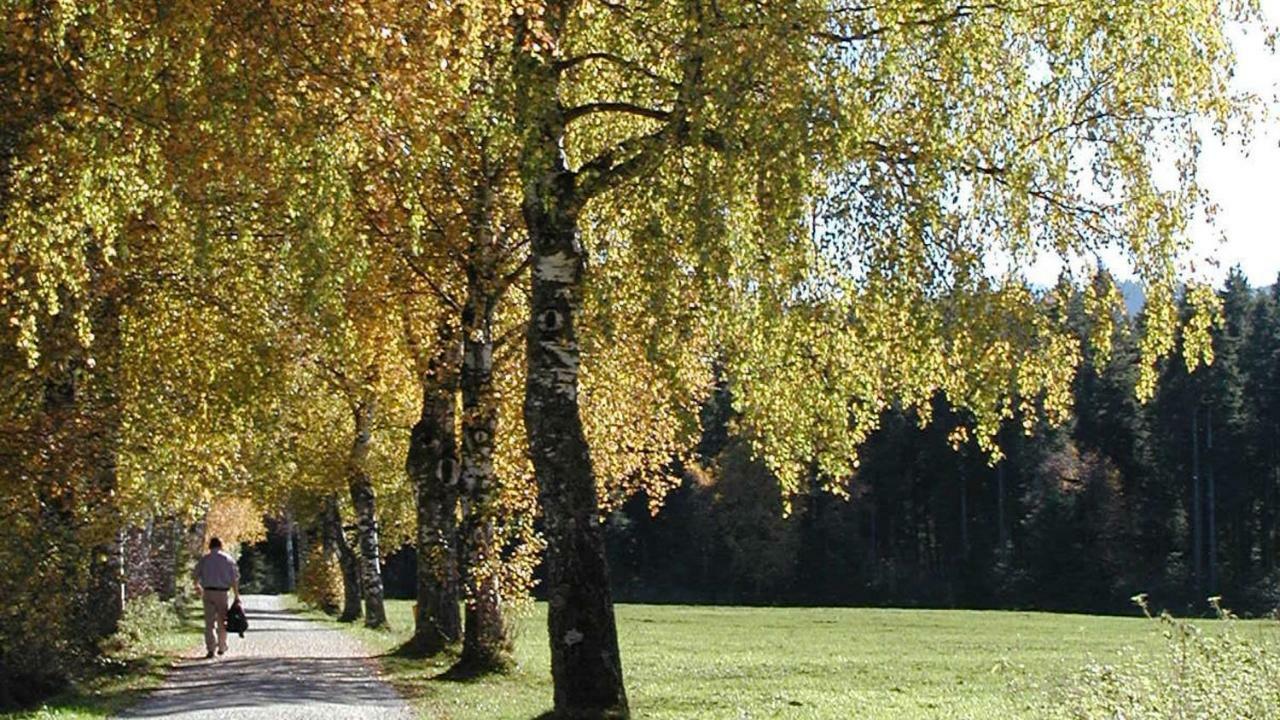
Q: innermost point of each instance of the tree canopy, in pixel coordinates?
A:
(243, 248)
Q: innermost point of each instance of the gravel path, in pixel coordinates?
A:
(286, 667)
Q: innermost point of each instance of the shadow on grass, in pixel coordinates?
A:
(458, 670)
(464, 672)
(414, 650)
(436, 684)
(413, 656)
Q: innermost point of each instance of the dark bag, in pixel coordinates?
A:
(236, 620)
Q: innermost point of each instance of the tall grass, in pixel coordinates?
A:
(1226, 672)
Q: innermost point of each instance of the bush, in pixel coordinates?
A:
(320, 582)
(44, 599)
(1221, 674)
(145, 618)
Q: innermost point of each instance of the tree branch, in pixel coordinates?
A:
(581, 111)
(575, 61)
(509, 279)
(425, 276)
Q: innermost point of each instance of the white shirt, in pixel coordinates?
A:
(217, 569)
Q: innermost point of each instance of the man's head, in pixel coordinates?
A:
(215, 544)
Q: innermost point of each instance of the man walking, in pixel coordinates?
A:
(215, 574)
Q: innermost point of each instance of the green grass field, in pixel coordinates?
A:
(737, 663)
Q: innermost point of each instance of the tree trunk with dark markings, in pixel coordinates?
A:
(347, 561)
(486, 645)
(433, 468)
(365, 502)
(586, 667)
(585, 661)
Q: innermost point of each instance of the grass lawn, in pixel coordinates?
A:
(739, 663)
(123, 677)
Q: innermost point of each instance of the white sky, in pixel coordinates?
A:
(1242, 178)
(1245, 181)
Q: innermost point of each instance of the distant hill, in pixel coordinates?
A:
(1134, 298)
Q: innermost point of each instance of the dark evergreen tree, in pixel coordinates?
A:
(1178, 498)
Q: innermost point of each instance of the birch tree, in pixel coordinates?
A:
(874, 182)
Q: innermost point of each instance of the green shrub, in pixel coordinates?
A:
(44, 599)
(145, 618)
(1224, 673)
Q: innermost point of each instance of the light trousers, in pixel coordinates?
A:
(215, 614)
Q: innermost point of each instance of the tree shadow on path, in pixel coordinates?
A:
(197, 686)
